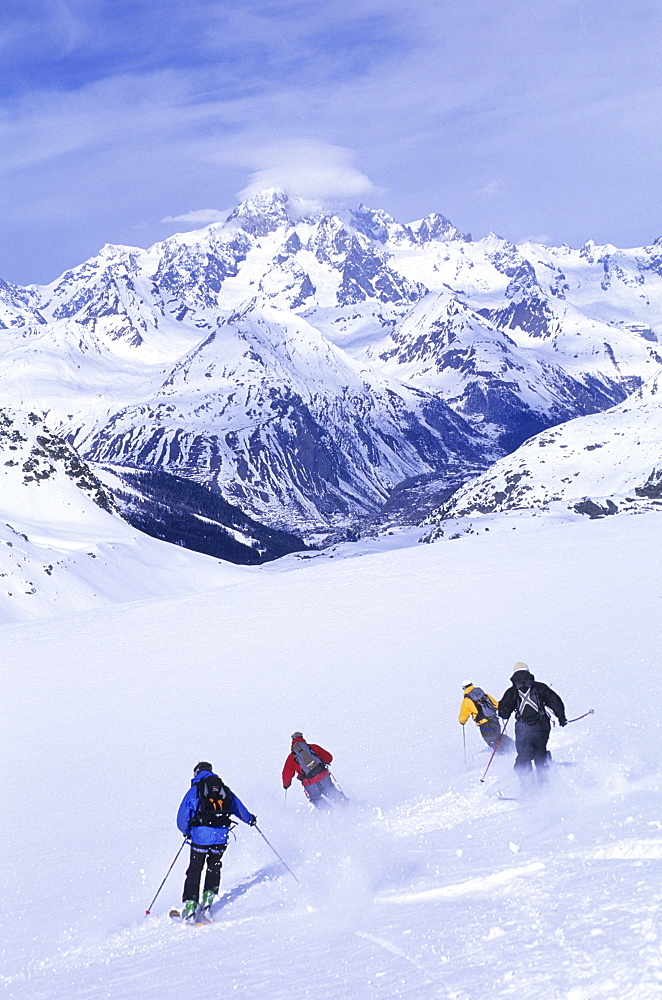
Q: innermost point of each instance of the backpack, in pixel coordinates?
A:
(213, 803)
(307, 760)
(486, 709)
(530, 708)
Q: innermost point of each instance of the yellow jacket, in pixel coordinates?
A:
(468, 708)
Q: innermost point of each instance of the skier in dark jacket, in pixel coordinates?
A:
(529, 699)
(308, 762)
(204, 818)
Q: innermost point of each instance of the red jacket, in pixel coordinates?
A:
(293, 768)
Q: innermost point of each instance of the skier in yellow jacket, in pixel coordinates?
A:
(482, 707)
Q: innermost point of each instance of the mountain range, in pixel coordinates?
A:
(320, 370)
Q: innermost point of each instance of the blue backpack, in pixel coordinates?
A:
(486, 709)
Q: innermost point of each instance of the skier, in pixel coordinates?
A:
(308, 762)
(204, 818)
(483, 707)
(529, 699)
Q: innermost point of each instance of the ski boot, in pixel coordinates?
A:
(189, 908)
(208, 898)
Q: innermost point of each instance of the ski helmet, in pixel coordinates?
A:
(297, 736)
(203, 765)
(467, 684)
(522, 674)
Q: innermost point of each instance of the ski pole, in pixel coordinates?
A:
(277, 854)
(149, 909)
(335, 782)
(285, 802)
(496, 747)
(464, 743)
(591, 711)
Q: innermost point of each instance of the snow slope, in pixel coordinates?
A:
(64, 546)
(596, 465)
(428, 887)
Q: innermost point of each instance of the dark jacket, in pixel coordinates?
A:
(549, 698)
(207, 835)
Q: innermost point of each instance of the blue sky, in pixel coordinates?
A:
(122, 121)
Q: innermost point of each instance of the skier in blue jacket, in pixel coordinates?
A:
(204, 818)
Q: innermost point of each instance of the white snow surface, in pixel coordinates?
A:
(427, 886)
(611, 458)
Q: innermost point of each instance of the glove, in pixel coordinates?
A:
(252, 821)
(563, 722)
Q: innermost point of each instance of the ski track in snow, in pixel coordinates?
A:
(427, 886)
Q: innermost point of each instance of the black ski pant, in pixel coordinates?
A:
(531, 745)
(214, 857)
(491, 733)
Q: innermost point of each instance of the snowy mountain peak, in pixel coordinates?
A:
(379, 226)
(436, 227)
(18, 306)
(262, 213)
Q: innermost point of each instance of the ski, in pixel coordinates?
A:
(508, 798)
(200, 920)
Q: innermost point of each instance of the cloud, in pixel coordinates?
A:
(541, 238)
(312, 170)
(491, 189)
(201, 216)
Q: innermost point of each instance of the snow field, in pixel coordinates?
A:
(427, 886)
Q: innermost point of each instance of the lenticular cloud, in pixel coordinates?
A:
(201, 216)
(315, 171)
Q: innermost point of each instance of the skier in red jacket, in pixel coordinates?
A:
(308, 762)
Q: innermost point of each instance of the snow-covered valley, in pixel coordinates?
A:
(427, 886)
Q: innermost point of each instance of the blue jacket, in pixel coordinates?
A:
(206, 836)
